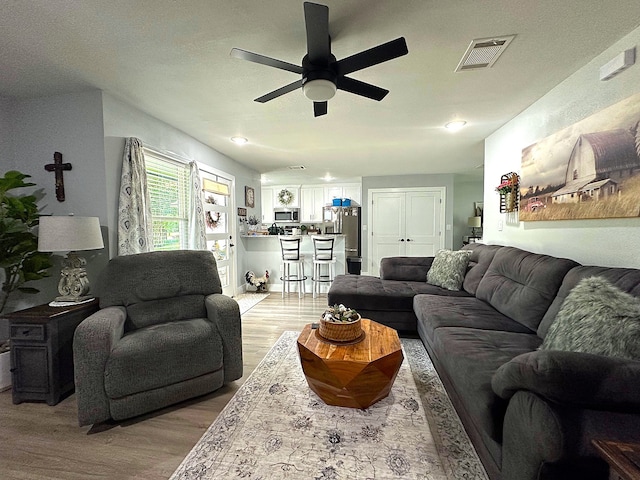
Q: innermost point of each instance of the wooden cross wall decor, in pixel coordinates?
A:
(58, 167)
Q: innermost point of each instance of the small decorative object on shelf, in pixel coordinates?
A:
(509, 190)
(253, 223)
(285, 197)
(340, 324)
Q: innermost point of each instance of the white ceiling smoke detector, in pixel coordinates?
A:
(484, 52)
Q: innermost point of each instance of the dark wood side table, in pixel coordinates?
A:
(623, 458)
(42, 350)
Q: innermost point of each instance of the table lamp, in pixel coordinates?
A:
(474, 222)
(70, 234)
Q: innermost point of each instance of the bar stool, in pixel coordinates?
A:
(323, 255)
(290, 247)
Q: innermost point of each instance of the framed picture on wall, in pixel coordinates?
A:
(249, 197)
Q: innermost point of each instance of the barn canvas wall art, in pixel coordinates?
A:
(588, 170)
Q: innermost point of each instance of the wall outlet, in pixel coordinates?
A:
(500, 225)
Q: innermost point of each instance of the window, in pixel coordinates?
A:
(168, 183)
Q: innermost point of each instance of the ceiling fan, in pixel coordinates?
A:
(321, 73)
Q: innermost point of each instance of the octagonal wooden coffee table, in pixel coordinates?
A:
(356, 375)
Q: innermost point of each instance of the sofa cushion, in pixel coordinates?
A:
(168, 353)
(522, 285)
(440, 311)
(406, 269)
(597, 318)
(626, 279)
(470, 357)
(481, 257)
(373, 293)
(448, 269)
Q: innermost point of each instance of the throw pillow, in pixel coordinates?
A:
(596, 317)
(448, 269)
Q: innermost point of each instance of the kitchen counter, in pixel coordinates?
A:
(262, 252)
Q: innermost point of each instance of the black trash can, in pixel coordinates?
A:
(354, 265)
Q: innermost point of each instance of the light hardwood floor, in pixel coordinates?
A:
(42, 442)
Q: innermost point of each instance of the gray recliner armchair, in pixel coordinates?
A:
(164, 333)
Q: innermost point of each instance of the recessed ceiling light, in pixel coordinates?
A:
(455, 125)
(239, 140)
(327, 178)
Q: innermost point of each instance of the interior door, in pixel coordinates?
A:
(404, 223)
(422, 220)
(218, 200)
(387, 227)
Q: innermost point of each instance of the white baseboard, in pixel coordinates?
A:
(5, 372)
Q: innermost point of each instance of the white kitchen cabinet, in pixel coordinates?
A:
(346, 190)
(267, 199)
(352, 192)
(311, 203)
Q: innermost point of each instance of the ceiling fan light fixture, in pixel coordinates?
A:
(319, 90)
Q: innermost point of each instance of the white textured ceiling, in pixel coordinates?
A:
(171, 59)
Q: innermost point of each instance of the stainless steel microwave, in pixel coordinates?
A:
(286, 215)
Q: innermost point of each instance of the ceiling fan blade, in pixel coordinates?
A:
(382, 53)
(271, 62)
(281, 91)
(361, 88)
(319, 108)
(316, 19)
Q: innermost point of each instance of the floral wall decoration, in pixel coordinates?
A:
(509, 189)
(285, 197)
(588, 170)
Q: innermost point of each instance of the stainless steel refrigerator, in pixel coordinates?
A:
(346, 221)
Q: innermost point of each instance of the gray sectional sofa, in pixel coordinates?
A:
(530, 413)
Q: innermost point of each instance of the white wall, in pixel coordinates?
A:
(122, 120)
(609, 242)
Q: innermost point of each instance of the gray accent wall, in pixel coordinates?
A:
(121, 120)
(608, 242)
(468, 189)
(72, 125)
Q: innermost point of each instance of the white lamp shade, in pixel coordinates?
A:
(319, 90)
(474, 222)
(69, 234)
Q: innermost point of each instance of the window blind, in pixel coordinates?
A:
(168, 183)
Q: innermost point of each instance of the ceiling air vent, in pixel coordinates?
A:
(296, 167)
(483, 52)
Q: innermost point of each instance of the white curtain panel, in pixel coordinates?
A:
(197, 234)
(134, 209)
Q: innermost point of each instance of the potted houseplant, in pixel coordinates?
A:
(253, 223)
(20, 259)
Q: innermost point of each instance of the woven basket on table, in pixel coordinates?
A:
(340, 332)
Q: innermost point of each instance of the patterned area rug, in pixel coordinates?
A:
(275, 427)
(247, 301)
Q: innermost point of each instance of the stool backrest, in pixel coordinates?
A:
(290, 248)
(323, 248)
